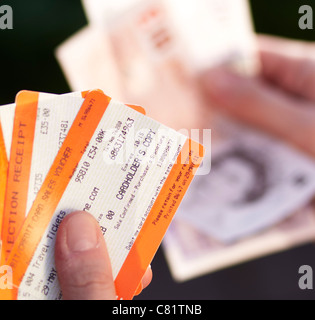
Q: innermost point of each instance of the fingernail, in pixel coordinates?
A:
(81, 233)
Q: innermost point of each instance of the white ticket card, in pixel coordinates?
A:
(129, 171)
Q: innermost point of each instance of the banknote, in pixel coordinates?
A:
(256, 181)
(152, 66)
(151, 57)
(190, 253)
(211, 31)
(151, 52)
(87, 61)
(216, 32)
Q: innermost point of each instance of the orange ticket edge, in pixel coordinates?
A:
(132, 106)
(11, 294)
(3, 180)
(24, 100)
(5, 217)
(27, 241)
(44, 205)
(18, 169)
(158, 221)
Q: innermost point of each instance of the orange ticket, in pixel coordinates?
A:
(3, 173)
(41, 124)
(129, 171)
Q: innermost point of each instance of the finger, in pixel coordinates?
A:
(294, 72)
(82, 261)
(258, 104)
(146, 280)
(289, 47)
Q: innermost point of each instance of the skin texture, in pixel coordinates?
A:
(280, 101)
(82, 261)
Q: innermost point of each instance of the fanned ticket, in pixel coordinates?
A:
(7, 113)
(3, 180)
(36, 141)
(129, 171)
(33, 134)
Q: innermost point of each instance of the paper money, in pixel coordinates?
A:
(152, 58)
(211, 31)
(191, 254)
(87, 62)
(216, 32)
(151, 52)
(255, 182)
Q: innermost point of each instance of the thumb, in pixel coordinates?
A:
(261, 105)
(82, 261)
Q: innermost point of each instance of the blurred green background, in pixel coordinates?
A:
(28, 62)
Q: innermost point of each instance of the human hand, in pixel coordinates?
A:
(82, 261)
(281, 100)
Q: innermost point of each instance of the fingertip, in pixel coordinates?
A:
(82, 261)
(147, 278)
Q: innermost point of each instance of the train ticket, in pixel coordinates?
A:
(36, 141)
(129, 171)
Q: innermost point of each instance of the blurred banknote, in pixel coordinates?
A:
(151, 52)
(191, 254)
(211, 31)
(255, 201)
(87, 62)
(154, 49)
(255, 182)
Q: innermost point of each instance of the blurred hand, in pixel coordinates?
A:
(281, 101)
(82, 261)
